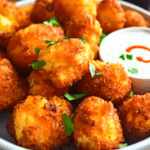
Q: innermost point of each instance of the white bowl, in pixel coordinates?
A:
(7, 143)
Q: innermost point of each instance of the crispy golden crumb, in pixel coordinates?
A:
(65, 8)
(37, 123)
(43, 10)
(97, 125)
(39, 86)
(135, 19)
(135, 118)
(66, 62)
(12, 18)
(22, 45)
(114, 85)
(82, 24)
(12, 90)
(110, 15)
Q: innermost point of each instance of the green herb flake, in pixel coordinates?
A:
(122, 57)
(66, 38)
(131, 94)
(38, 64)
(129, 56)
(42, 98)
(53, 22)
(73, 97)
(123, 145)
(133, 70)
(83, 39)
(107, 63)
(69, 126)
(72, 115)
(92, 70)
(103, 35)
(52, 42)
(37, 50)
(36, 82)
(99, 74)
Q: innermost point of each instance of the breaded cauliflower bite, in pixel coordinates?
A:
(114, 83)
(12, 89)
(22, 45)
(83, 24)
(66, 62)
(43, 10)
(12, 18)
(135, 19)
(37, 123)
(65, 8)
(110, 15)
(41, 86)
(135, 117)
(97, 125)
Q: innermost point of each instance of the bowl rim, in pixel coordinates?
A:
(144, 144)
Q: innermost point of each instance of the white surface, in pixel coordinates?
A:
(4, 145)
(119, 41)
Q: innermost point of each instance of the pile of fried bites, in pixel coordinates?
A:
(51, 78)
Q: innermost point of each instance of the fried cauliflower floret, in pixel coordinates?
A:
(135, 118)
(22, 45)
(110, 15)
(66, 62)
(135, 19)
(27, 8)
(114, 85)
(39, 86)
(37, 123)
(97, 125)
(82, 24)
(66, 8)
(43, 10)
(12, 18)
(12, 90)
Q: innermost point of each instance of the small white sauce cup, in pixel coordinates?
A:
(115, 44)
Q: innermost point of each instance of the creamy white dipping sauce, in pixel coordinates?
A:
(116, 43)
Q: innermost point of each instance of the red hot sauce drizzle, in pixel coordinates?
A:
(129, 49)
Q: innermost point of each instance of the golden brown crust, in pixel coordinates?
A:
(82, 24)
(22, 45)
(12, 18)
(110, 15)
(43, 10)
(135, 117)
(97, 125)
(64, 9)
(135, 19)
(66, 62)
(40, 86)
(11, 88)
(38, 123)
(114, 85)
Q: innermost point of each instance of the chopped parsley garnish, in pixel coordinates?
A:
(133, 70)
(123, 145)
(92, 70)
(129, 56)
(131, 94)
(42, 98)
(53, 22)
(37, 50)
(36, 82)
(122, 56)
(107, 63)
(55, 42)
(69, 126)
(72, 115)
(83, 39)
(73, 97)
(99, 74)
(38, 64)
(103, 35)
